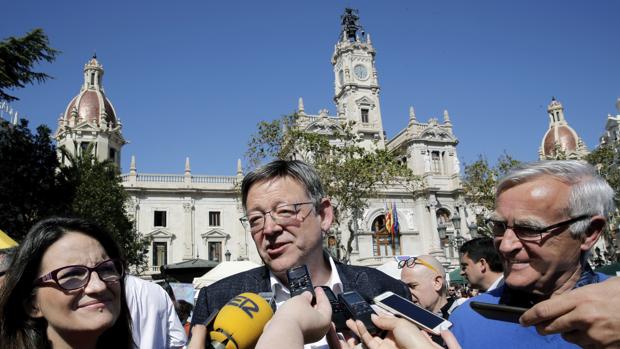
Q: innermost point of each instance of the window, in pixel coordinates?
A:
(112, 154)
(214, 219)
(365, 116)
(215, 251)
(436, 162)
(159, 219)
(383, 242)
(160, 253)
(84, 147)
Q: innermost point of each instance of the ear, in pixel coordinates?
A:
(483, 265)
(594, 231)
(326, 213)
(437, 283)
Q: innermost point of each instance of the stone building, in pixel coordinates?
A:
(560, 140)
(191, 216)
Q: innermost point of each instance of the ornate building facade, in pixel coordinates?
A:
(560, 140)
(191, 216)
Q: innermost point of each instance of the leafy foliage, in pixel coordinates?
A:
(17, 56)
(100, 197)
(479, 183)
(30, 186)
(350, 173)
(604, 159)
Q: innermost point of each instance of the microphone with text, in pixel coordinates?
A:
(240, 322)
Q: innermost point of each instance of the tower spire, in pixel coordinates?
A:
(300, 106)
(412, 119)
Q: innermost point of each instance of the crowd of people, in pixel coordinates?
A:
(67, 286)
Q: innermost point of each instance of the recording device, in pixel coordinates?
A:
(498, 311)
(299, 281)
(339, 312)
(402, 307)
(240, 322)
(358, 309)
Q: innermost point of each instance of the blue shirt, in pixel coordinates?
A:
(472, 330)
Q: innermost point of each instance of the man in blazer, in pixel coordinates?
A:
(288, 214)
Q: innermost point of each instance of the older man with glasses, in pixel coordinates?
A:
(426, 279)
(287, 215)
(547, 217)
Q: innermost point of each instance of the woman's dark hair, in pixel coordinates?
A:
(17, 328)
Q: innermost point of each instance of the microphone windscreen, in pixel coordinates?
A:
(240, 322)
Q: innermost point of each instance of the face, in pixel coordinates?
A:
(283, 247)
(471, 271)
(423, 284)
(544, 267)
(90, 309)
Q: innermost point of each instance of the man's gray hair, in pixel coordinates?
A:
(295, 169)
(590, 193)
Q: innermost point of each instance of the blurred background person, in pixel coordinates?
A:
(184, 310)
(426, 279)
(481, 264)
(65, 290)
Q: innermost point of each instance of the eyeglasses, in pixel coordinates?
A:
(282, 215)
(73, 277)
(528, 233)
(410, 261)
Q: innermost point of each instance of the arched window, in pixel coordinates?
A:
(384, 243)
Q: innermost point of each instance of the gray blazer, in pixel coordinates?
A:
(368, 282)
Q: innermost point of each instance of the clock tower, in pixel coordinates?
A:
(356, 87)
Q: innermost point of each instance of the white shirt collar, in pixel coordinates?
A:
(281, 292)
(498, 282)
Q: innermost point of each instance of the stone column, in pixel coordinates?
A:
(188, 234)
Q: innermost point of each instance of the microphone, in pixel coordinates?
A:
(240, 322)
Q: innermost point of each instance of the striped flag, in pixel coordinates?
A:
(389, 223)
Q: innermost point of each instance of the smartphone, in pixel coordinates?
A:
(498, 311)
(358, 309)
(339, 312)
(403, 307)
(299, 281)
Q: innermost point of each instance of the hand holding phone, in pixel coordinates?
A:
(403, 307)
(359, 309)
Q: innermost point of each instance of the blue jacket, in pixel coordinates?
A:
(472, 330)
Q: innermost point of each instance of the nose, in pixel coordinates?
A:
(95, 284)
(270, 226)
(509, 242)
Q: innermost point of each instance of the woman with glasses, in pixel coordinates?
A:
(65, 290)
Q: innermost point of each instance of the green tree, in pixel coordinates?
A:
(479, 183)
(350, 173)
(31, 188)
(603, 158)
(17, 58)
(99, 196)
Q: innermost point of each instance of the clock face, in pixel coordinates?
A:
(341, 77)
(360, 71)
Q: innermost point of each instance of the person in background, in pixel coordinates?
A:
(65, 290)
(155, 322)
(6, 257)
(426, 279)
(184, 310)
(547, 217)
(481, 264)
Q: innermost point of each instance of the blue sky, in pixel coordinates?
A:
(193, 78)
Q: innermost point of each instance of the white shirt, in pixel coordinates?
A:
(281, 294)
(155, 323)
(497, 283)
